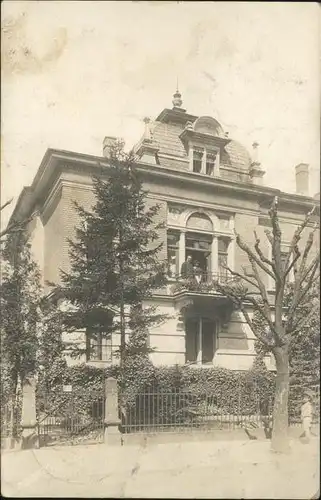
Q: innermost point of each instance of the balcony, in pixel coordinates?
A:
(205, 284)
(200, 293)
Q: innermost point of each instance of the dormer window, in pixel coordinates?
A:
(197, 160)
(204, 161)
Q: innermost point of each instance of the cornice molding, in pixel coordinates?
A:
(172, 115)
(189, 135)
(234, 170)
(205, 180)
(55, 162)
(199, 204)
(53, 195)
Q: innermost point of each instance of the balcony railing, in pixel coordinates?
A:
(205, 283)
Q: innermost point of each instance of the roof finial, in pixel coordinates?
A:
(148, 132)
(177, 97)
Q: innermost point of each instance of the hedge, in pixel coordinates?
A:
(163, 391)
(166, 392)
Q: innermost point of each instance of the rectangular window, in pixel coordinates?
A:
(99, 346)
(223, 258)
(172, 253)
(197, 160)
(200, 340)
(191, 333)
(210, 162)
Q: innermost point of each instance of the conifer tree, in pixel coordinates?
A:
(31, 333)
(114, 259)
(20, 296)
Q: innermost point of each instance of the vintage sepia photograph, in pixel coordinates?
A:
(160, 249)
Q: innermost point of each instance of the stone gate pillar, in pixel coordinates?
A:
(112, 421)
(30, 437)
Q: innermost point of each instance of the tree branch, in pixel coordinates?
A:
(300, 274)
(276, 241)
(304, 272)
(263, 292)
(238, 301)
(299, 294)
(296, 257)
(262, 311)
(297, 236)
(5, 204)
(260, 337)
(260, 253)
(241, 276)
(269, 236)
(251, 255)
(314, 264)
(15, 227)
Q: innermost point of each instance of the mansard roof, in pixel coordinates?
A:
(172, 152)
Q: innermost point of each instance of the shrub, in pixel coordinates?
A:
(151, 394)
(172, 395)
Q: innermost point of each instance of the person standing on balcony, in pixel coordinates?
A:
(198, 272)
(172, 266)
(187, 270)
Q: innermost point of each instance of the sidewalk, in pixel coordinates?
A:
(174, 470)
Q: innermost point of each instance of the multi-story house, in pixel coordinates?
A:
(207, 186)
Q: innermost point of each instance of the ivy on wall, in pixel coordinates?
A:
(165, 389)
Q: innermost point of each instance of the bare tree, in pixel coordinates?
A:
(283, 323)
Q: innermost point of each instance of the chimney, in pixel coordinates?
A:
(107, 144)
(302, 179)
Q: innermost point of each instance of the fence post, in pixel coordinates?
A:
(30, 437)
(112, 435)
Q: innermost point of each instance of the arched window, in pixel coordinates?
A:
(199, 221)
(198, 244)
(208, 125)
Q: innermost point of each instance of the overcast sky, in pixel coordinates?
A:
(74, 72)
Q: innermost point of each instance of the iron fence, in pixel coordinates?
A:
(179, 410)
(73, 417)
(10, 420)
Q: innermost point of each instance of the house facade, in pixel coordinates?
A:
(207, 187)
